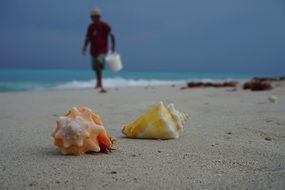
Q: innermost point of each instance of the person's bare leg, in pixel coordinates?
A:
(97, 73)
(99, 79)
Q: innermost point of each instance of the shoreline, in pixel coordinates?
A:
(114, 87)
(234, 139)
(25, 80)
(121, 82)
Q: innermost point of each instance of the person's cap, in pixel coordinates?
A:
(96, 12)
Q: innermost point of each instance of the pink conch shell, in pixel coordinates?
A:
(81, 131)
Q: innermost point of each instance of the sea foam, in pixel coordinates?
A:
(119, 82)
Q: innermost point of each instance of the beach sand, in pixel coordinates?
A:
(233, 140)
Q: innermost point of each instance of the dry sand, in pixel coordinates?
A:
(234, 140)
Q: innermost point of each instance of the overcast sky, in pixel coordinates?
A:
(245, 36)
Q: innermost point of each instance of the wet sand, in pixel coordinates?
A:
(234, 140)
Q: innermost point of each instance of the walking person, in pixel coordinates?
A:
(98, 33)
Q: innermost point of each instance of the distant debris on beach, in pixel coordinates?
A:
(210, 84)
(261, 83)
(256, 84)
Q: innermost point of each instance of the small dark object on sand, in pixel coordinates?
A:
(268, 138)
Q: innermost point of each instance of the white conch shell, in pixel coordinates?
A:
(160, 122)
(273, 99)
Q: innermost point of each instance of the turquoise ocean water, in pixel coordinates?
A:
(42, 79)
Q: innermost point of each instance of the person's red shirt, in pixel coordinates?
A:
(97, 34)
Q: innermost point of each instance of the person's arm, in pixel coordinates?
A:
(113, 42)
(86, 42)
(87, 39)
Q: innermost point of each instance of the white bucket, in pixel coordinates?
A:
(113, 60)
